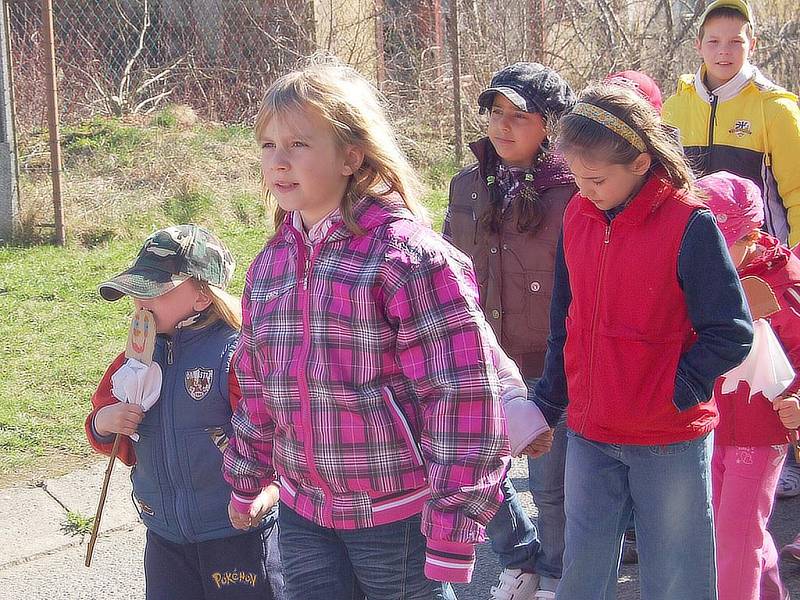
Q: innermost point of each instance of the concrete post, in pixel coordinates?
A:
(9, 194)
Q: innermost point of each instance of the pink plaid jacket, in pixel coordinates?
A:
(367, 385)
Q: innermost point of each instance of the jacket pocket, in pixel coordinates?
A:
(266, 294)
(403, 427)
(209, 491)
(149, 481)
(537, 290)
(526, 311)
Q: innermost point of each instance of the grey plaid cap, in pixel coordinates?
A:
(531, 87)
(168, 258)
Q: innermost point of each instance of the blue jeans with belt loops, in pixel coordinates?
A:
(668, 489)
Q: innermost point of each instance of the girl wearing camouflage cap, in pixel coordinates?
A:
(174, 440)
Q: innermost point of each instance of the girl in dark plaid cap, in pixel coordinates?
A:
(365, 361)
(505, 212)
(175, 438)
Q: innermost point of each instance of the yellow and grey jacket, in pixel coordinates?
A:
(750, 127)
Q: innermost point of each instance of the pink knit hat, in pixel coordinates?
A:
(736, 203)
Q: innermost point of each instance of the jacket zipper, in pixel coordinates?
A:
(606, 241)
(713, 101)
(302, 380)
(168, 432)
(733, 422)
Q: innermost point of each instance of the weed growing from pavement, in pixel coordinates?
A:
(77, 524)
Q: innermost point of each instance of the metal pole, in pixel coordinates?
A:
(52, 118)
(9, 191)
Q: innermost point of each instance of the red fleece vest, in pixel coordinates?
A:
(627, 324)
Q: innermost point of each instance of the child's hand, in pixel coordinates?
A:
(264, 503)
(238, 520)
(788, 409)
(258, 509)
(118, 418)
(540, 446)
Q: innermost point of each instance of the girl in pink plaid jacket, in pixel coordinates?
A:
(368, 392)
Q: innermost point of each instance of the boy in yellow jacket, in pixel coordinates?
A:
(733, 118)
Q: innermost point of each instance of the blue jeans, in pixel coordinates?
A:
(512, 533)
(546, 480)
(668, 488)
(515, 539)
(380, 563)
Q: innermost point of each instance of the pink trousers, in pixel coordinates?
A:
(744, 481)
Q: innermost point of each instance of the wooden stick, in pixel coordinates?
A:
(102, 502)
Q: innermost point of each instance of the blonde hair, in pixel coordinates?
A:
(224, 306)
(354, 110)
(583, 135)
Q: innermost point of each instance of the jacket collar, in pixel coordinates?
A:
(654, 192)
(551, 172)
(192, 326)
(728, 90)
(370, 212)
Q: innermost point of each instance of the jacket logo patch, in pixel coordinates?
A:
(741, 128)
(198, 382)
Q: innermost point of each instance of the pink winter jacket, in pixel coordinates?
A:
(367, 385)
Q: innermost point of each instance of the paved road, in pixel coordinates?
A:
(39, 561)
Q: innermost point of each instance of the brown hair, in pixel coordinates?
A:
(354, 109)
(724, 12)
(582, 135)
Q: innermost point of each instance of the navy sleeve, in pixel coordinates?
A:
(717, 310)
(550, 393)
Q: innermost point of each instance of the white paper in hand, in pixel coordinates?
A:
(137, 383)
(767, 368)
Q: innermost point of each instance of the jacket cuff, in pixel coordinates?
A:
(450, 562)
(101, 439)
(242, 501)
(524, 423)
(685, 397)
(551, 413)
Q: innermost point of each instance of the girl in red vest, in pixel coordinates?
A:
(647, 312)
(750, 441)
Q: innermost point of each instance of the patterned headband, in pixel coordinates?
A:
(609, 121)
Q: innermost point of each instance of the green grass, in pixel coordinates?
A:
(56, 335)
(77, 524)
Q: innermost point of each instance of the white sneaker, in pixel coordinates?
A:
(544, 595)
(515, 584)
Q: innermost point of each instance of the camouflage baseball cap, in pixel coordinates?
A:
(168, 258)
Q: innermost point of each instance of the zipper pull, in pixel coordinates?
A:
(306, 273)
(169, 352)
(608, 234)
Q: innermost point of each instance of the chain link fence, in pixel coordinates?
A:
(132, 57)
(118, 57)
